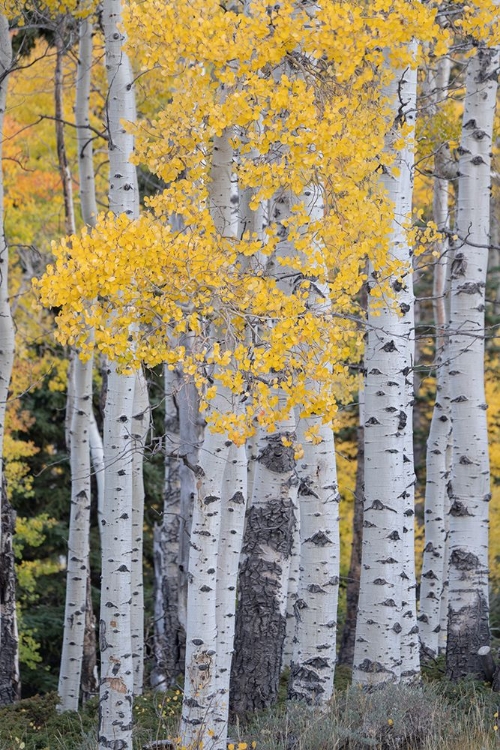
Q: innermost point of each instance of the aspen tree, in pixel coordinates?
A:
(116, 681)
(313, 663)
(140, 427)
(79, 405)
(433, 586)
(386, 579)
(314, 655)
(84, 439)
(8, 627)
(166, 547)
(267, 544)
(469, 486)
(208, 638)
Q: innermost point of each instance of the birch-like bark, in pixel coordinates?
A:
(6, 334)
(140, 427)
(314, 655)
(346, 650)
(78, 539)
(62, 158)
(166, 547)
(198, 707)
(292, 593)
(233, 507)
(202, 715)
(313, 665)
(116, 681)
(264, 572)
(189, 433)
(10, 682)
(83, 133)
(468, 626)
(267, 545)
(377, 655)
(78, 609)
(433, 589)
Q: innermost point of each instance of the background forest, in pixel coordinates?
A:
(253, 276)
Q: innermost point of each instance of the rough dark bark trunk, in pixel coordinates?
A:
(346, 652)
(90, 684)
(9, 671)
(260, 624)
(261, 612)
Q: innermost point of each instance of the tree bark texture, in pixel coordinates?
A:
(8, 629)
(116, 681)
(263, 577)
(10, 685)
(346, 651)
(166, 548)
(433, 586)
(80, 393)
(314, 656)
(140, 426)
(469, 487)
(385, 581)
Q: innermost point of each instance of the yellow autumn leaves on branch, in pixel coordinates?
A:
(299, 90)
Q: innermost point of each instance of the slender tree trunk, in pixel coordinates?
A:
(268, 540)
(469, 488)
(140, 427)
(10, 685)
(346, 651)
(166, 548)
(189, 432)
(198, 708)
(432, 587)
(313, 665)
(78, 540)
(204, 710)
(377, 655)
(8, 629)
(264, 571)
(292, 594)
(62, 158)
(233, 507)
(116, 681)
(90, 680)
(79, 641)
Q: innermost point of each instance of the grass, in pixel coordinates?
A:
(437, 715)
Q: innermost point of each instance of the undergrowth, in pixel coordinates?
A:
(437, 715)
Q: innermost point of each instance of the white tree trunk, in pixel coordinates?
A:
(293, 591)
(233, 507)
(377, 656)
(78, 540)
(198, 708)
(166, 546)
(313, 665)
(201, 710)
(116, 685)
(140, 427)
(79, 409)
(468, 627)
(264, 573)
(433, 590)
(6, 324)
(268, 541)
(83, 133)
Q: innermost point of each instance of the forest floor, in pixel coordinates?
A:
(437, 715)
